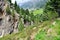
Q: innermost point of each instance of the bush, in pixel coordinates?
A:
(8, 10)
(20, 26)
(9, 1)
(12, 13)
(51, 15)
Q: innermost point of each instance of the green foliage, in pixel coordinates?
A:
(9, 1)
(40, 35)
(22, 11)
(39, 15)
(17, 8)
(8, 10)
(51, 9)
(13, 13)
(26, 15)
(50, 15)
(38, 11)
(20, 26)
(53, 34)
(15, 4)
(53, 5)
(27, 12)
(32, 16)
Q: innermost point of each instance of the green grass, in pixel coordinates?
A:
(22, 35)
(53, 34)
(39, 11)
(41, 32)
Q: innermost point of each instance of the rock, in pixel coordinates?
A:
(1, 33)
(8, 23)
(16, 22)
(32, 22)
(54, 23)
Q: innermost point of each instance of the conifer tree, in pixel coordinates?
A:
(51, 9)
(9, 1)
(53, 5)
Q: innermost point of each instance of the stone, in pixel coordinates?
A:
(8, 23)
(54, 23)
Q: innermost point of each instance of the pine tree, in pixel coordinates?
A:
(15, 5)
(17, 8)
(52, 9)
(27, 12)
(53, 5)
(9, 1)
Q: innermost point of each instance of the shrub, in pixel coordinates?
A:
(12, 13)
(51, 15)
(8, 10)
(20, 26)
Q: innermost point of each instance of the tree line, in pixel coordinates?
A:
(51, 11)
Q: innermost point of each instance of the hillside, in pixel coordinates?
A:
(48, 30)
(40, 23)
(38, 11)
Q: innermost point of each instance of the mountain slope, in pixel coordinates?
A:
(33, 4)
(48, 30)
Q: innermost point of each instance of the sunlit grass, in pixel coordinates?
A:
(38, 11)
(52, 33)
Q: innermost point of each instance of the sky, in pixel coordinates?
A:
(20, 1)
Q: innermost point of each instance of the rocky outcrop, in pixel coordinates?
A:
(8, 23)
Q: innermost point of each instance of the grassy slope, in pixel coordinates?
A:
(49, 32)
(43, 31)
(39, 11)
